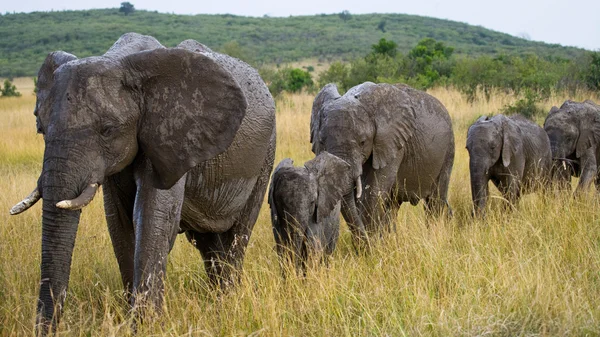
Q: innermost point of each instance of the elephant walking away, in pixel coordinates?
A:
(574, 132)
(513, 152)
(399, 144)
(305, 207)
(181, 139)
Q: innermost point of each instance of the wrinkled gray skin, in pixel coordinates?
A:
(398, 140)
(574, 132)
(305, 207)
(512, 152)
(181, 139)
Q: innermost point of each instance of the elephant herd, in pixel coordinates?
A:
(183, 141)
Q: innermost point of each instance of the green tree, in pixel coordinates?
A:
(127, 8)
(385, 47)
(9, 90)
(298, 79)
(286, 79)
(381, 26)
(429, 62)
(345, 15)
(336, 73)
(592, 77)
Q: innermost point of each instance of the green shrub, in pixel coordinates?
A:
(526, 106)
(286, 79)
(9, 90)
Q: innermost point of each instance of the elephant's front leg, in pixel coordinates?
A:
(156, 218)
(589, 170)
(377, 209)
(509, 185)
(119, 197)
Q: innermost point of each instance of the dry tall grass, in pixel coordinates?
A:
(533, 271)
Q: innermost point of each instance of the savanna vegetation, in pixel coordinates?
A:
(28, 38)
(531, 270)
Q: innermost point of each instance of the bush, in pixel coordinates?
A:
(526, 106)
(337, 73)
(286, 79)
(9, 90)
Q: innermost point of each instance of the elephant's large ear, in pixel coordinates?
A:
(326, 94)
(333, 179)
(589, 131)
(512, 142)
(287, 162)
(45, 81)
(394, 121)
(191, 109)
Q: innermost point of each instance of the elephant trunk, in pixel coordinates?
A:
(561, 172)
(479, 187)
(353, 219)
(59, 228)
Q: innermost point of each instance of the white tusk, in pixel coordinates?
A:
(564, 165)
(358, 188)
(29, 201)
(81, 201)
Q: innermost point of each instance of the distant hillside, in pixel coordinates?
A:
(27, 38)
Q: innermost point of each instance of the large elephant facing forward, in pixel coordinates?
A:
(574, 132)
(181, 139)
(399, 144)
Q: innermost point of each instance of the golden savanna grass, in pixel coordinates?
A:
(532, 271)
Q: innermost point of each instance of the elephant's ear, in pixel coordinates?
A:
(394, 121)
(589, 131)
(191, 109)
(287, 162)
(45, 82)
(512, 142)
(326, 94)
(333, 181)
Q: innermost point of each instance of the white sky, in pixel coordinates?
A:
(567, 22)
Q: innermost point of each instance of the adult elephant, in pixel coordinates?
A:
(513, 152)
(399, 144)
(574, 132)
(181, 139)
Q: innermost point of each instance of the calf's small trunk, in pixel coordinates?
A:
(479, 189)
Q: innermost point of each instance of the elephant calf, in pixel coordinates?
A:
(305, 206)
(512, 152)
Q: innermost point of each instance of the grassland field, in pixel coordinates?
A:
(532, 271)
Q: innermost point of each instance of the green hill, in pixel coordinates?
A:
(28, 38)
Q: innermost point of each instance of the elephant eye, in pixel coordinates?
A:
(38, 125)
(107, 130)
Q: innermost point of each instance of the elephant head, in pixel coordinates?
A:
(573, 129)
(303, 200)
(172, 107)
(492, 142)
(370, 123)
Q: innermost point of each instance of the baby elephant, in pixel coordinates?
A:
(513, 152)
(305, 207)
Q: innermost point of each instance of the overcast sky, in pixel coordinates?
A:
(568, 22)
